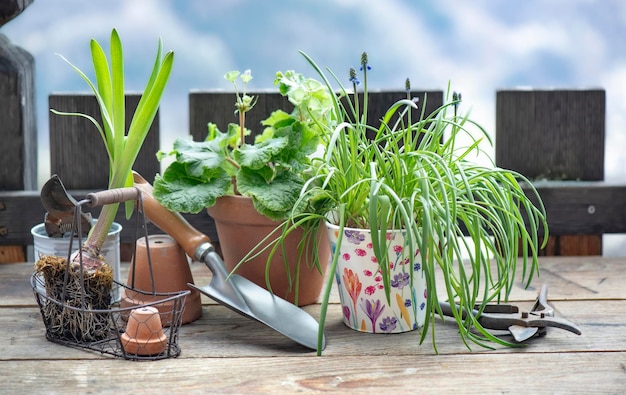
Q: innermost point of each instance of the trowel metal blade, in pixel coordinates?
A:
(257, 303)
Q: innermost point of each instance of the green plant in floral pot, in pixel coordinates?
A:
(87, 269)
(250, 188)
(403, 201)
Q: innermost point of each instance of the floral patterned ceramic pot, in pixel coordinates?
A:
(359, 281)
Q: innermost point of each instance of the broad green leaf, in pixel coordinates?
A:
(257, 156)
(118, 108)
(181, 193)
(200, 158)
(279, 196)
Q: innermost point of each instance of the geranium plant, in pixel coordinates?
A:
(271, 170)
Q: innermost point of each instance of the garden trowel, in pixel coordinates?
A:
(232, 291)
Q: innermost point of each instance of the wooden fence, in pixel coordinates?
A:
(556, 137)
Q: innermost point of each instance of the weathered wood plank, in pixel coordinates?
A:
(21, 210)
(9, 9)
(554, 135)
(218, 107)
(551, 134)
(580, 245)
(472, 374)
(77, 153)
(572, 208)
(18, 151)
(579, 208)
(10, 254)
(222, 332)
(588, 291)
(568, 278)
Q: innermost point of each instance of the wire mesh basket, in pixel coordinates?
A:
(78, 310)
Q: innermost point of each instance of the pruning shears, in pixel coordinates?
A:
(521, 325)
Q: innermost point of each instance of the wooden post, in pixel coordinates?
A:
(219, 107)
(77, 152)
(18, 152)
(554, 135)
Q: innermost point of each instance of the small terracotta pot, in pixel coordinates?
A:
(240, 228)
(144, 332)
(171, 273)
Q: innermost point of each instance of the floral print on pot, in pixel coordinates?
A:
(360, 285)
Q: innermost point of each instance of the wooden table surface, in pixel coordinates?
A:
(224, 352)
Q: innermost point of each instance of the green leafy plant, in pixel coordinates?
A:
(122, 147)
(415, 175)
(271, 170)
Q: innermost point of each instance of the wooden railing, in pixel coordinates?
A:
(78, 156)
(554, 137)
(557, 139)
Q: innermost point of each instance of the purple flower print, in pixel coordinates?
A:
(417, 267)
(408, 303)
(354, 236)
(388, 324)
(346, 313)
(373, 309)
(400, 280)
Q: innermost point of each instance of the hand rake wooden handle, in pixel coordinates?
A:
(110, 196)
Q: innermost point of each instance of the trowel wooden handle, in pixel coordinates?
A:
(171, 223)
(109, 196)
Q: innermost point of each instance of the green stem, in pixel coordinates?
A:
(242, 128)
(100, 231)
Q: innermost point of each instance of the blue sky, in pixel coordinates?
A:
(479, 46)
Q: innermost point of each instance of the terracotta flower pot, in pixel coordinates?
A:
(240, 228)
(144, 332)
(171, 273)
(359, 281)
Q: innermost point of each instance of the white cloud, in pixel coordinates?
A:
(480, 46)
